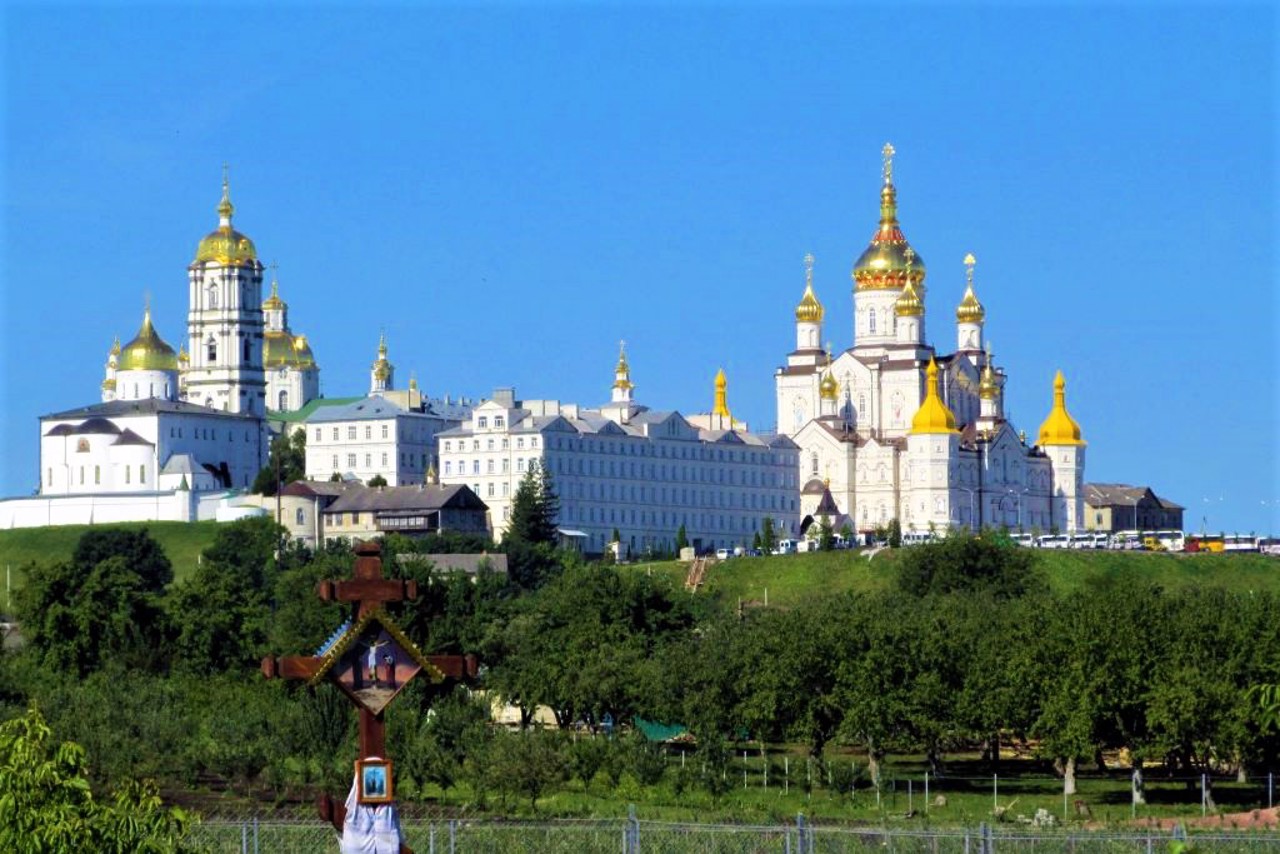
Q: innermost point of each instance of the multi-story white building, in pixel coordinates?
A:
(391, 433)
(894, 429)
(623, 466)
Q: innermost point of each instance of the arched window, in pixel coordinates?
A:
(211, 350)
(301, 517)
(814, 465)
(872, 322)
(212, 296)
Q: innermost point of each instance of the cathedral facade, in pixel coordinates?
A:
(891, 428)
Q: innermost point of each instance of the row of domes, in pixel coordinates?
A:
(889, 263)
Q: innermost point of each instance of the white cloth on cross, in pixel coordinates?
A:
(369, 828)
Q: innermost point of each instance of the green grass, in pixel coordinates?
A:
(786, 580)
(182, 542)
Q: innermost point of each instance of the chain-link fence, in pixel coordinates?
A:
(633, 836)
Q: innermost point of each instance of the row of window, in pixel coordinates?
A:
(633, 448)
(482, 422)
(97, 475)
(208, 433)
(489, 444)
(352, 432)
(407, 460)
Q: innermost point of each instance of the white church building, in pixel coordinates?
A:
(892, 428)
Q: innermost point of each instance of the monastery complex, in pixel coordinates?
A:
(888, 428)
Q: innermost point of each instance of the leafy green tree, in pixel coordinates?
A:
(826, 534)
(104, 605)
(968, 564)
(222, 613)
(894, 537)
(682, 539)
(534, 509)
(768, 535)
(376, 481)
(525, 764)
(286, 462)
(46, 804)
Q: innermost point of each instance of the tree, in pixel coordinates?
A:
(968, 564)
(286, 462)
(103, 605)
(895, 533)
(682, 539)
(222, 613)
(376, 481)
(534, 509)
(826, 534)
(46, 804)
(768, 536)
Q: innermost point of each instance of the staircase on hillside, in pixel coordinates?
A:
(697, 570)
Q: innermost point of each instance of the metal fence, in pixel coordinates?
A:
(633, 836)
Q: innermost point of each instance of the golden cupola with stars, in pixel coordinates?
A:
(933, 416)
(622, 385)
(1060, 428)
(224, 245)
(883, 266)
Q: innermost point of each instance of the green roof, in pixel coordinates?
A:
(307, 411)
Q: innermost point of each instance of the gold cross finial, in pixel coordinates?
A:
(622, 346)
(888, 153)
(808, 268)
(969, 261)
(911, 258)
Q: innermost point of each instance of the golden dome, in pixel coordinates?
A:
(909, 303)
(278, 350)
(147, 352)
(829, 388)
(109, 384)
(306, 359)
(933, 415)
(989, 385)
(184, 359)
(225, 245)
(382, 367)
(884, 264)
(809, 310)
(1060, 428)
(969, 310)
(622, 371)
(274, 302)
(722, 396)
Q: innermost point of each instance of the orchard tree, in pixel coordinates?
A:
(286, 462)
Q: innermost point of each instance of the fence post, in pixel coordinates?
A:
(926, 792)
(1204, 794)
(966, 840)
(744, 769)
(431, 838)
(910, 795)
(635, 828)
(800, 835)
(255, 835)
(995, 795)
(1271, 781)
(786, 775)
(453, 836)
(244, 837)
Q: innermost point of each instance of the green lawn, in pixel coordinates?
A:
(787, 579)
(182, 542)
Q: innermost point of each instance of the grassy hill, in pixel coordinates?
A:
(182, 542)
(787, 579)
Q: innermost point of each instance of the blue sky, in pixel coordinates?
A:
(508, 190)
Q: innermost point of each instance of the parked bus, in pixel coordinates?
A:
(1054, 541)
(1241, 543)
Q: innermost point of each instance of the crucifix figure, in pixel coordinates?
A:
(370, 679)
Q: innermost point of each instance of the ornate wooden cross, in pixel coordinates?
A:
(370, 687)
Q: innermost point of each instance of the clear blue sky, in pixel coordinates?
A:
(509, 190)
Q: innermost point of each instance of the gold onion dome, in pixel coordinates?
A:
(809, 310)
(306, 359)
(622, 371)
(382, 367)
(1060, 428)
(909, 303)
(989, 385)
(722, 396)
(970, 310)
(933, 416)
(147, 352)
(225, 245)
(278, 350)
(184, 358)
(274, 302)
(829, 389)
(884, 265)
